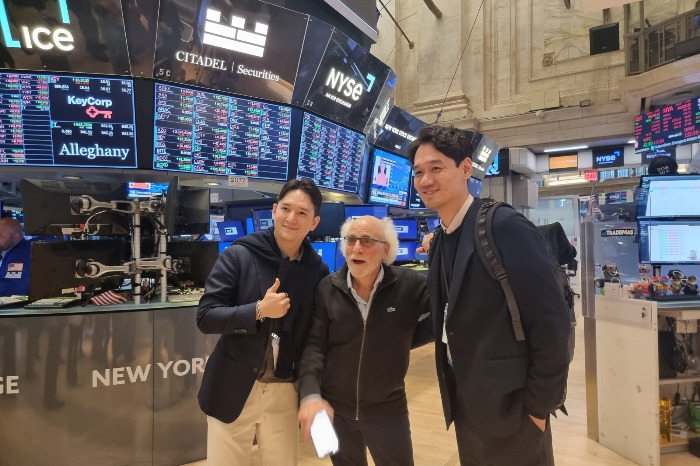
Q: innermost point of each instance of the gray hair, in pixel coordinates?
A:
(388, 234)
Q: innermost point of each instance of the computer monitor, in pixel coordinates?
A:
(327, 251)
(249, 225)
(332, 217)
(262, 219)
(192, 211)
(197, 258)
(354, 211)
(47, 207)
(223, 245)
(669, 242)
(389, 175)
(144, 190)
(669, 196)
(406, 229)
(231, 230)
(474, 186)
(406, 251)
(339, 257)
(54, 265)
(432, 223)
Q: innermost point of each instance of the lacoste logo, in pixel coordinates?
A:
(234, 37)
(390, 309)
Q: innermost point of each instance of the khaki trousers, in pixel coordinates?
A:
(270, 415)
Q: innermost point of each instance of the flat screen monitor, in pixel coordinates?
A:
(406, 251)
(202, 132)
(54, 265)
(327, 252)
(230, 230)
(330, 154)
(136, 190)
(332, 217)
(62, 120)
(669, 196)
(432, 223)
(17, 214)
(474, 186)
(485, 150)
(390, 176)
(354, 211)
(406, 229)
(667, 126)
(398, 131)
(563, 162)
(608, 157)
(347, 83)
(262, 219)
(47, 204)
(192, 212)
(669, 242)
(414, 200)
(249, 228)
(197, 258)
(223, 245)
(339, 257)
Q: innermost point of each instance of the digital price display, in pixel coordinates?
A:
(67, 121)
(330, 154)
(671, 125)
(204, 132)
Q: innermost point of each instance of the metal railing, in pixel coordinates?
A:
(654, 46)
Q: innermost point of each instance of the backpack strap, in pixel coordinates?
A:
(491, 258)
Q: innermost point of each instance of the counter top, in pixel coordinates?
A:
(20, 311)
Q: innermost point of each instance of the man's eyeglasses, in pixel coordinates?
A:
(365, 241)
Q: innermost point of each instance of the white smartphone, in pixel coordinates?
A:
(323, 434)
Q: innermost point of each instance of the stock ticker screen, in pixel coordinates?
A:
(671, 125)
(204, 132)
(67, 121)
(330, 154)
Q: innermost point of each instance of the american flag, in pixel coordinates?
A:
(108, 297)
(593, 208)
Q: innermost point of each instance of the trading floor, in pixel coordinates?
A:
(433, 446)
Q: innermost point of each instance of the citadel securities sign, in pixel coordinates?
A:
(64, 35)
(246, 47)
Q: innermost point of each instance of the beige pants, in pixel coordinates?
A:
(270, 414)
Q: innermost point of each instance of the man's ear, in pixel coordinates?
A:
(315, 223)
(467, 168)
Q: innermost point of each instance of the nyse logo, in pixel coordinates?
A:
(347, 85)
(605, 159)
(231, 231)
(234, 37)
(39, 36)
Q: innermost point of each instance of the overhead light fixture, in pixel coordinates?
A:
(72, 177)
(631, 141)
(564, 149)
(212, 183)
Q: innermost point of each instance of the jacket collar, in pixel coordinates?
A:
(340, 278)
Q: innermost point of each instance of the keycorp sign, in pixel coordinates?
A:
(39, 36)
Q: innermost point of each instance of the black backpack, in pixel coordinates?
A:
(560, 251)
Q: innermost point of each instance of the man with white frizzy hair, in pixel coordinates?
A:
(368, 316)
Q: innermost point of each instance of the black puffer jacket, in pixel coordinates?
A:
(359, 367)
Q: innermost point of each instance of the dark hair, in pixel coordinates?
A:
(663, 165)
(452, 142)
(308, 186)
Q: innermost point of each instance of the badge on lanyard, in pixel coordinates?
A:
(444, 325)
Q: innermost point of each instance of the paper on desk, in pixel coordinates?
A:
(323, 435)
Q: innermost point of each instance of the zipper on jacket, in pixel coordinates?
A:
(359, 365)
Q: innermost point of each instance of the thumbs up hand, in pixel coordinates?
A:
(274, 305)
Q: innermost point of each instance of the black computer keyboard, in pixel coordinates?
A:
(53, 303)
(674, 297)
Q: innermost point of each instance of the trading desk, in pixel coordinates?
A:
(108, 385)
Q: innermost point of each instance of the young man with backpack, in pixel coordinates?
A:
(502, 372)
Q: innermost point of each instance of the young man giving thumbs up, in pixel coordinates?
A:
(260, 298)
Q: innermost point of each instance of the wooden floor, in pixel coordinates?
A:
(433, 446)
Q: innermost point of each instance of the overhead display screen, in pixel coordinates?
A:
(398, 131)
(67, 121)
(330, 154)
(664, 196)
(485, 150)
(414, 200)
(390, 177)
(671, 125)
(247, 47)
(202, 132)
(347, 83)
(606, 157)
(563, 162)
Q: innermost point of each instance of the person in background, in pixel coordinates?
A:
(663, 165)
(497, 389)
(368, 316)
(16, 252)
(260, 297)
